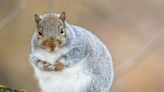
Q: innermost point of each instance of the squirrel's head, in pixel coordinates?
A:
(51, 31)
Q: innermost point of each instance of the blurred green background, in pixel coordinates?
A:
(132, 29)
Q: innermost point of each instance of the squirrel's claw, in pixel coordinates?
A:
(45, 66)
(59, 66)
(49, 67)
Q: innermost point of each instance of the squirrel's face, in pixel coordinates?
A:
(51, 31)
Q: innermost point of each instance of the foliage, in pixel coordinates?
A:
(7, 89)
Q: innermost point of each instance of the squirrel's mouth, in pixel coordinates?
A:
(52, 46)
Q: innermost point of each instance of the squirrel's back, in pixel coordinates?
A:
(99, 62)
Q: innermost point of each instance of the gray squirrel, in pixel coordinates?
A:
(68, 58)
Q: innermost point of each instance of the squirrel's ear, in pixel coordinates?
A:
(62, 16)
(37, 19)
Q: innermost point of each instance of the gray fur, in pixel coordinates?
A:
(83, 44)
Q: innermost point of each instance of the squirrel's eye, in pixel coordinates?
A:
(61, 31)
(40, 33)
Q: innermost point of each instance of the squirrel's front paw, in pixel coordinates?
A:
(59, 66)
(43, 65)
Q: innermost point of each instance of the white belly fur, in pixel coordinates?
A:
(69, 80)
(50, 57)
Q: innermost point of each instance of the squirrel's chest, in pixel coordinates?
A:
(74, 79)
(49, 57)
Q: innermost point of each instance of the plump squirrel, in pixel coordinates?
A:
(68, 58)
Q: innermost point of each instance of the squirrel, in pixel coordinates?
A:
(68, 58)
